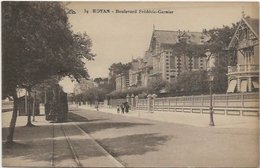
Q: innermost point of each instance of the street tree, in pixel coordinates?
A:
(46, 86)
(37, 44)
(217, 44)
(192, 83)
(156, 86)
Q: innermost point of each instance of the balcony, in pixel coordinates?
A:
(243, 69)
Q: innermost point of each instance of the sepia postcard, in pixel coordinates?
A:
(130, 84)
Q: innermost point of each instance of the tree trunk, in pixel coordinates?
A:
(13, 120)
(29, 122)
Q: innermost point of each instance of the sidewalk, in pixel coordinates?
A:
(36, 147)
(32, 144)
(193, 119)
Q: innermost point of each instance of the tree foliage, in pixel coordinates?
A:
(156, 86)
(37, 43)
(92, 95)
(119, 68)
(218, 43)
(220, 39)
(190, 83)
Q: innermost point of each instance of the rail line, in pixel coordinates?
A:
(73, 152)
(106, 153)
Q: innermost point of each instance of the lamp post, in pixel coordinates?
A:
(210, 65)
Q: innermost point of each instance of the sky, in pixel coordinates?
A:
(119, 37)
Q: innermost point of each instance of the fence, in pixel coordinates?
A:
(115, 102)
(243, 104)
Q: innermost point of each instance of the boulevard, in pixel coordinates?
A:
(118, 140)
(151, 84)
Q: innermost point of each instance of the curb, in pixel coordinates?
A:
(107, 154)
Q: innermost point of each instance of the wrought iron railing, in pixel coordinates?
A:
(243, 68)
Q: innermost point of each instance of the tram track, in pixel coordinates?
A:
(101, 148)
(63, 130)
(73, 151)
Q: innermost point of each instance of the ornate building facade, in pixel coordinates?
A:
(161, 62)
(244, 77)
(122, 81)
(166, 64)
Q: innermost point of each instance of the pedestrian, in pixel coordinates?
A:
(97, 106)
(118, 109)
(122, 108)
(126, 107)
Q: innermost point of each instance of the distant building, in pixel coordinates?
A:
(244, 77)
(101, 81)
(166, 65)
(83, 86)
(161, 62)
(122, 81)
(135, 73)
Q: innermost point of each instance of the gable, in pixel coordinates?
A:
(248, 29)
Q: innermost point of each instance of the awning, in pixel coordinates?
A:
(255, 84)
(244, 86)
(232, 86)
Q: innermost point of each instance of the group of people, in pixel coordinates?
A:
(124, 108)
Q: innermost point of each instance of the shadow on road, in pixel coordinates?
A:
(77, 118)
(133, 144)
(41, 151)
(94, 127)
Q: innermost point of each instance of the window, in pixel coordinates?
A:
(196, 63)
(172, 62)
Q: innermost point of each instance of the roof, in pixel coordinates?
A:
(166, 37)
(170, 37)
(253, 23)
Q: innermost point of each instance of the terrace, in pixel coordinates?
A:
(243, 69)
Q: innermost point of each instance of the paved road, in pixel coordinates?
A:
(139, 142)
